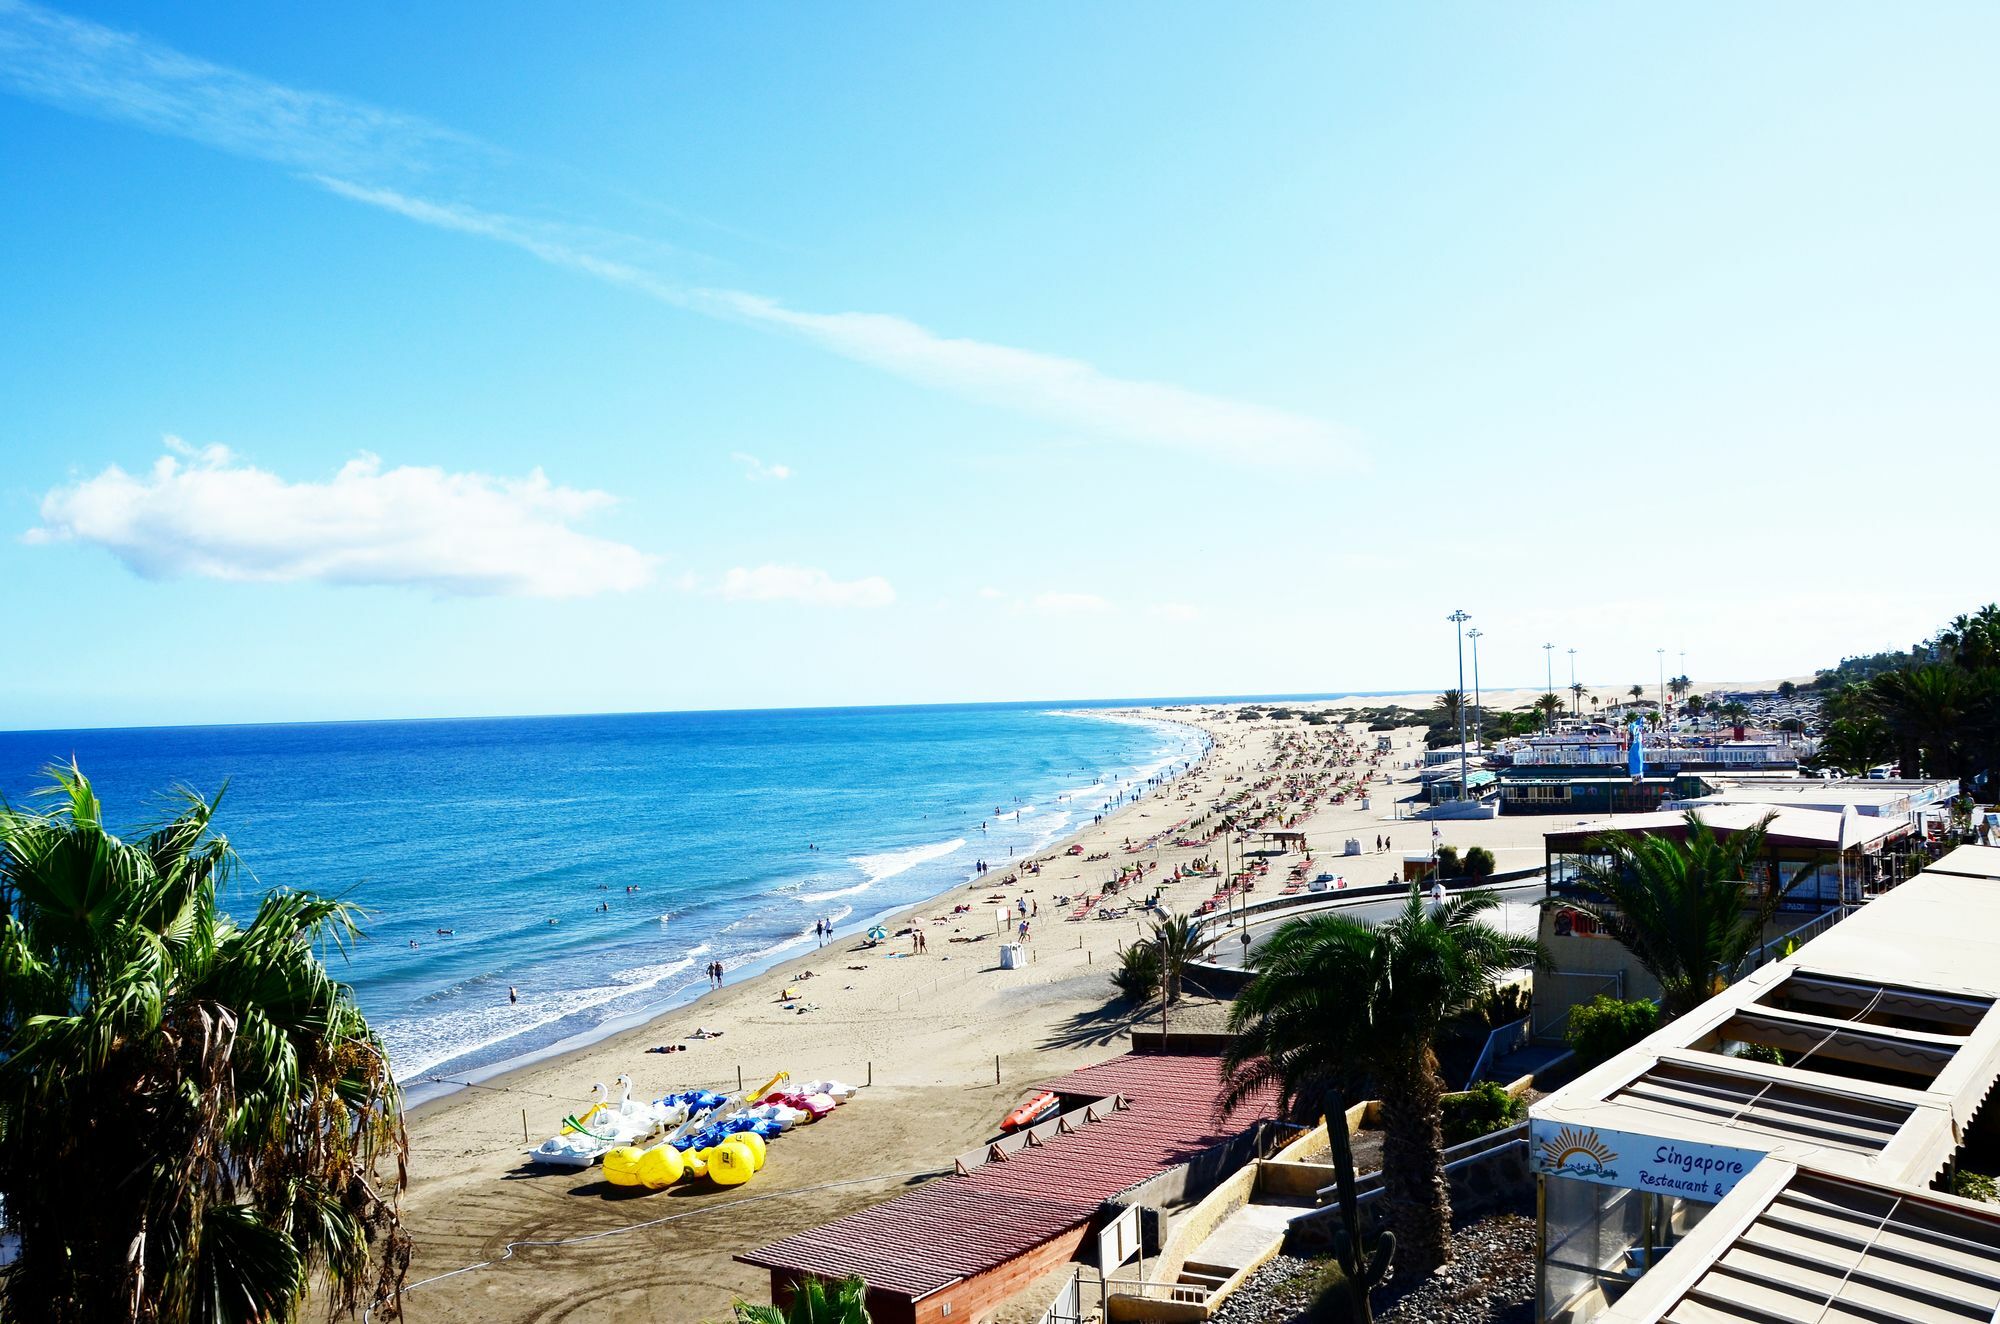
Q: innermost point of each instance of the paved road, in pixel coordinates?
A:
(1517, 914)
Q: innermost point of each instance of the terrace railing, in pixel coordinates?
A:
(1765, 952)
(1067, 1308)
(1506, 1039)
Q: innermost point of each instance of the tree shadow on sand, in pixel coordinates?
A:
(1097, 1028)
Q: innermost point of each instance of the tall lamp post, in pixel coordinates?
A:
(1478, 726)
(1549, 657)
(1575, 698)
(1459, 618)
(1663, 682)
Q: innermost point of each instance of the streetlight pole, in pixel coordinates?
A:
(1478, 726)
(1549, 657)
(1459, 618)
(1663, 682)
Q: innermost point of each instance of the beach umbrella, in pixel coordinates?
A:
(878, 932)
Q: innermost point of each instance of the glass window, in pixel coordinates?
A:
(1598, 1240)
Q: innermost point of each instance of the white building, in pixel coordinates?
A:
(1785, 1152)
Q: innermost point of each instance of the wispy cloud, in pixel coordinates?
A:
(757, 471)
(204, 513)
(1178, 613)
(428, 174)
(804, 584)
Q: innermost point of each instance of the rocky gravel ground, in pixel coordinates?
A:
(1282, 1290)
(1490, 1280)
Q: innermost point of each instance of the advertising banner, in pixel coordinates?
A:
(1637, 1162)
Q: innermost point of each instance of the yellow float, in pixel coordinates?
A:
(695, 1162)
(731, 1164)
(661, 1166)
(621, 1166)
(753, 1142)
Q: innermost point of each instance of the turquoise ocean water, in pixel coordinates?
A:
(738, 830)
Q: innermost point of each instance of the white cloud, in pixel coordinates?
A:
(804, 584)
(1177, 612)
(211, 516)
(756, 470)
(992, 594)
(1068, 604)
(409, 166)
(1063, 390)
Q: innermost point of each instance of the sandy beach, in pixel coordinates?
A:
(945, 1042)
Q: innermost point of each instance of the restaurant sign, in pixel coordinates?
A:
(1637, 1162)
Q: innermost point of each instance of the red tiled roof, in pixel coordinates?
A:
(956, 1227)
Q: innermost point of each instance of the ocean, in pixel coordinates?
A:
(597, 864)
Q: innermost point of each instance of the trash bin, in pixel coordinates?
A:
(1010, 956)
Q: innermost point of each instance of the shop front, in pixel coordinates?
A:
(1611, 1203)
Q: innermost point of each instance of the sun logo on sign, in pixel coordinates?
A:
(1582, 1153)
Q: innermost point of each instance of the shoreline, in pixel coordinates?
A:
(426, 1092)
(946, 1040)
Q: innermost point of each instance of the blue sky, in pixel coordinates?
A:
(513, 361)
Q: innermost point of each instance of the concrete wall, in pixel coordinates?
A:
(1193, 1228)
(1295, 1180)
(1176, 1192)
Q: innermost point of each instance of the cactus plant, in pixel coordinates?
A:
(1361, 1270)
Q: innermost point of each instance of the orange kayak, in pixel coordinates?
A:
(1038, 1109)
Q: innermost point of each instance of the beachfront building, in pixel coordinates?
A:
(1786, 1152)
(1592, 774)
(1443, 754)
(1912, 798)
(1139, 1131)
(1809, 850)
(1447, 787)
(1819, 848)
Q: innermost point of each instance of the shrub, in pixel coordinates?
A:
(1604, 1027)
(1974, 1186)
(1448, 866)
(1139, 972)
(1760, 1053)
(1485, 1108)
(1479, 863)
(1503, 1004)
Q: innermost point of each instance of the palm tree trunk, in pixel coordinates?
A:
(1413, 1176)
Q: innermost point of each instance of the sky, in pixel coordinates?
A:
(378, 361)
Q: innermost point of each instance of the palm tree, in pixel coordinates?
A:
(1637, 692)
(1550, 704)
(1336, 1004)
(813, 1302)
(1679, 686)
(1576, 691)
(1451, 701)
(191, 1112)
(1686, 910)
(1927, 709)
(1181, 942)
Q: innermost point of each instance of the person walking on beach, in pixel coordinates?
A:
(1023, 935)
(718, 974)
(513, 996)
